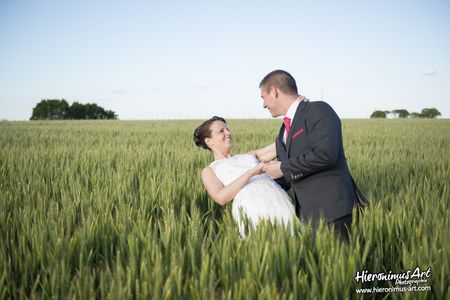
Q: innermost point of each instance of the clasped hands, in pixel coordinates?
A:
(271, 168)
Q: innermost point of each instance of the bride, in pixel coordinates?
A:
(241, 177)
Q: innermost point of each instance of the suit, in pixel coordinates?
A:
(313, 163)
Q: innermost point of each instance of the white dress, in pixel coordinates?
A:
(260, 198)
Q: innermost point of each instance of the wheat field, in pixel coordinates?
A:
(117, 210)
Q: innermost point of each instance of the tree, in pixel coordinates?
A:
(60, 110)
(79, 111)
(110, 114)
(93, 111)
(401, 113)
(76, 111)
(378, 114)
(50, 109)
(430, 113)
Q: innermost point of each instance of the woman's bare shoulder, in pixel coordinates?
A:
(207, 171)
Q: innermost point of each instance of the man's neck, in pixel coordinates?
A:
(288, 102)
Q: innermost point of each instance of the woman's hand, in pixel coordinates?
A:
(260, 168)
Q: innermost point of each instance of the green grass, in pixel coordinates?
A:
(116, 209)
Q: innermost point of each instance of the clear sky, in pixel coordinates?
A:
(195, 59)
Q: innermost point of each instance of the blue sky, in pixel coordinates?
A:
(195, 59)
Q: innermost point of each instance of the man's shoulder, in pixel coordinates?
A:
(319, 104)
(319, 107)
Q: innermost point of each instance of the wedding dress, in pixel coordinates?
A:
(260, 198)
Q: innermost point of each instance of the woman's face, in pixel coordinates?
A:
(220, 137)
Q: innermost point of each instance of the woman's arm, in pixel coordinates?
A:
(224, 194)
(267, 153)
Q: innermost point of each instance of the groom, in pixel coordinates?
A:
(310, 154)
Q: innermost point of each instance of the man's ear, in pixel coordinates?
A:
(274, 90)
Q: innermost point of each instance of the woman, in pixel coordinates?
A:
(241, 177)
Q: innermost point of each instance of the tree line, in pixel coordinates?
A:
(429, 113)
(55, 109)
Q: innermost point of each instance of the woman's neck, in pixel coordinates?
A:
(221, 155)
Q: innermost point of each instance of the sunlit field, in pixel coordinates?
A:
(117, 210)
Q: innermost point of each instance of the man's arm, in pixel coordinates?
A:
(325, 138)
(273, 170)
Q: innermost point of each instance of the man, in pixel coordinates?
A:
(310, 154)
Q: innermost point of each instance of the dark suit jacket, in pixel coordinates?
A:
(314, 164)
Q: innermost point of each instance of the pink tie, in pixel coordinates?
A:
(287, 123)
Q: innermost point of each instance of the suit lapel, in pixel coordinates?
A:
(294, 125)
(280, 138)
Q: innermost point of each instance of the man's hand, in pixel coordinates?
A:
(273, 169)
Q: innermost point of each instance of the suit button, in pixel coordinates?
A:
(301, 174)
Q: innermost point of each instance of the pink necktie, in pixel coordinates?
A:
(287, 123)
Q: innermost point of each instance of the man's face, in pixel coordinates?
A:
(270, 101)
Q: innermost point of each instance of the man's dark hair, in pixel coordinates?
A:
(281, 80)
(203, 131)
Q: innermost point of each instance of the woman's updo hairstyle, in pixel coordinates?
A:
(203, 131)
